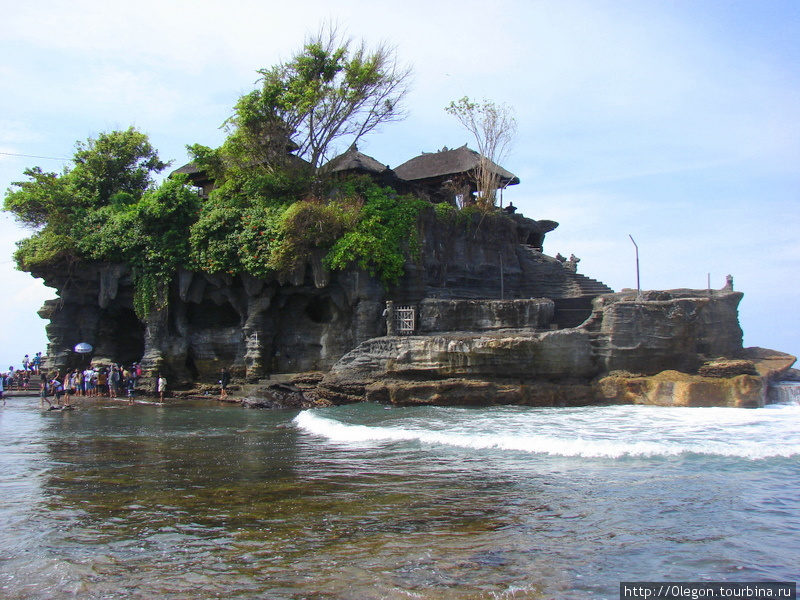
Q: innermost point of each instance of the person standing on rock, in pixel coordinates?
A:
(43, 394)
(224, 380)
(161, 386)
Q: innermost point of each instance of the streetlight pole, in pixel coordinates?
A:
(638, 285)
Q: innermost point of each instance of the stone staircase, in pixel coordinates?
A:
(571, 312)
(590, 287)
(599, 341)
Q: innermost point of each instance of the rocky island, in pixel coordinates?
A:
(481, 316)
(412, 285)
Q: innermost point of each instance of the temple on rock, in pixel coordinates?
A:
(480, 314)
(310, 320)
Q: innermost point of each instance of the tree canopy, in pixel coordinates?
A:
(321, 101)
(112, 169)
(107, 207)
(257, 225)
(117, 162)
(273, 207)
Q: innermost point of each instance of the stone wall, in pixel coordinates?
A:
(439, 316)
(657, 331)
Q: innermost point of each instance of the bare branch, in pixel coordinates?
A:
(494, 128)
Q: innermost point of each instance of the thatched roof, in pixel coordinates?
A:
(448, 163)
(196, 175)
(187, 169)
(353, 160)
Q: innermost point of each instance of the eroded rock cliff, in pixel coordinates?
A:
(493, 320)
(303, 322)
(679, 347)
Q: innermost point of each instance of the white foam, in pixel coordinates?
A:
(593, 433)
(785, 393)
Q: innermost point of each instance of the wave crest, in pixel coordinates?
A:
(584, 446)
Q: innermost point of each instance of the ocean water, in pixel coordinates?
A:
(185, 501)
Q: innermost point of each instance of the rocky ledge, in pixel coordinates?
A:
(676, 348)
(741, 382)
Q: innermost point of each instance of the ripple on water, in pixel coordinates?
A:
(183, 501)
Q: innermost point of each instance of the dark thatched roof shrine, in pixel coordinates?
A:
(196, 176)
(355, 161)
(189, 169)
(432, 167)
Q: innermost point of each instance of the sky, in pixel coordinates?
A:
(676, 122)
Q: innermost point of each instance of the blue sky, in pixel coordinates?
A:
(674, 121)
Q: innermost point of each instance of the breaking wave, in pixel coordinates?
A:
(593, 432)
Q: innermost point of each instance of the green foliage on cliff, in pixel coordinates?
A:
(114, 163)
(151, 236)
(357, 221)
(114, 169)
(385, 233)
(274, 206)
(310, 227)
(253, 223)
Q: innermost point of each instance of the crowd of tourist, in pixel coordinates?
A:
(20, 379)
(114, 381)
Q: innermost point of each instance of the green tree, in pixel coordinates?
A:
(385, 232)
(115, 169)
(329, 94)
(44, 197)
(151, 236)
(118, 161)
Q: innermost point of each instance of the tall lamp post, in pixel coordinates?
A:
(638, 285)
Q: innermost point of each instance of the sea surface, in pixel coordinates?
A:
(201, 500)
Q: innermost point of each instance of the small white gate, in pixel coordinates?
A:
(405, 320)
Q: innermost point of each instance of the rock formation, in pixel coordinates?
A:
(491, 318)
(657, 348)
(307, 322)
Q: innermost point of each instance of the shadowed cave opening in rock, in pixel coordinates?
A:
(319, 310)
(124, 332)
(535, 239)
(208, 314)
(190, 365)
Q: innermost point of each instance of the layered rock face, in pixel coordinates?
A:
(741, 383)
(305, 322)
(534, 368)
(657, 331)
(664, 348)
(493, 321)
(437, 315)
